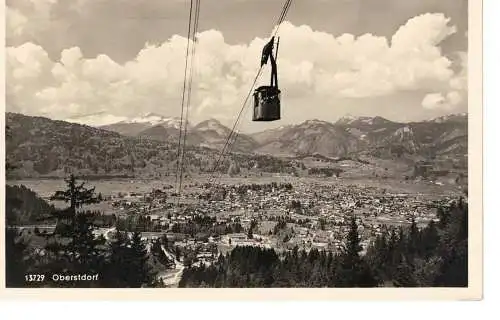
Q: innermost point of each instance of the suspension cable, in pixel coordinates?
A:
(184, 92)
(284, 12)
(192, 65)
(232, 134)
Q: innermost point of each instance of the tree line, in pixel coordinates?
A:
(23, 206)
(327, 172)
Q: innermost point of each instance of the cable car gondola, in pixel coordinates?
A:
(267, 98)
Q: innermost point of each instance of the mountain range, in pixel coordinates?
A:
(209, 133)
(373, 135)
(148, 124)
(149, 143)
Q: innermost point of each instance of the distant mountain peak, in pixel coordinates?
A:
(212, 125)
(155, 119)
(316, 122)
(349, 119)
(152, 114)
(102, 118)
(282, 127)
(96, 119)
(461, 117)
(209, 123)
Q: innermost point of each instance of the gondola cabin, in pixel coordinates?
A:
(266, 104)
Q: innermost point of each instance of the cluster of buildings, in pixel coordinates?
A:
(308, 214)
(317, 214)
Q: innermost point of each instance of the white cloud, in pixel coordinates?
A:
(434, 101)
(312, 65)
(459, 81)
(34, 17)
(454, 94)
(423, 32)
(444, 102)
(454, 98)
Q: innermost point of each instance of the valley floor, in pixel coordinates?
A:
(315, 210)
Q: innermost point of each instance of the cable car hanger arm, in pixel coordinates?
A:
(267, 54)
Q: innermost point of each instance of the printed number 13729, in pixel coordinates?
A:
(34, 277)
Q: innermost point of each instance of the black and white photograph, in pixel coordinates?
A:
(238, 144)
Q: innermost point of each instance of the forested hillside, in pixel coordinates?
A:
(23, 206)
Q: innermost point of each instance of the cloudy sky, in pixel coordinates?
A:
(403, 60)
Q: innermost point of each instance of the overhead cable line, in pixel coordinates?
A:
(190, 85)
(227, 143)
(232, 134)
(184, 91)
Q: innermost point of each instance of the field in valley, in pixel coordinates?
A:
(45, 188)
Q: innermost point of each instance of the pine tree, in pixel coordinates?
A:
(13, 203)
(394, 253)
(116, 274)
(430, 240)
(425, 271)
(74, 248)
(140, 272)
(253, 225)
(404, 275)
(443, 216)
(9, 167)
(379, 257)
(350, 257)
(250, 233)
(454, 248)
(353, 271)
(413, 241)
(16, 265)
(89, 256)
(76, 195)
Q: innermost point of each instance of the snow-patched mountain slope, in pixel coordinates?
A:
(212, 125)
(347, 135)
(268, 135)
(96, 119)
(366, 135)
(154, 119)
(455, 117)
(213, 134)
(140, 125)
